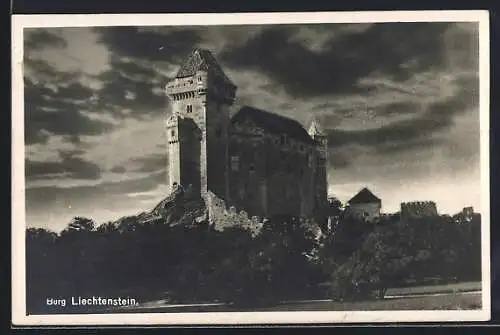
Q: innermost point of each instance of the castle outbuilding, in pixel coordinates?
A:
(255, 160)
(364, 205)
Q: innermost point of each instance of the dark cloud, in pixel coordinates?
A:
(396, 108)
(118, 169)
(148, 164)
(56, 107)
(44, 72)
(38, 198)
(339, 160)
(129, 85)
(396, 50)
(388, 149)
(436, 117)
(39, 38)
(70, 166)
(144, 43)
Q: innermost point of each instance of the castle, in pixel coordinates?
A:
(250, 159)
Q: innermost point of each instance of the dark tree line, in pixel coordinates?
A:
(285, 261)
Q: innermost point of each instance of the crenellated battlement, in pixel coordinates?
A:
(418, 209)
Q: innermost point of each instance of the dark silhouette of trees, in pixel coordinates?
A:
(392, 252)
(191, 262)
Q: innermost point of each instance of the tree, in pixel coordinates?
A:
(41, 267)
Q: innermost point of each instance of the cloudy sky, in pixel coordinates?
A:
(398, 100)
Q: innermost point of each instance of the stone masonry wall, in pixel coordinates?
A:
(222, 217)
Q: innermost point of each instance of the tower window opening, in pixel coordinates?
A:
(189, 108)
(172, 133)
(235, 163)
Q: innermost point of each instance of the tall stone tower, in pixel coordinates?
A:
(320, 183)
(197, 131)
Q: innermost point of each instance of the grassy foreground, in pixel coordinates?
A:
(440, 302)
(430, 289)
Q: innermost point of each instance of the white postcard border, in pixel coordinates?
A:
(19, 22)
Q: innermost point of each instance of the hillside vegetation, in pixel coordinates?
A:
(180, 257)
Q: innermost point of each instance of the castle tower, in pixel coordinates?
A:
(197, 131)
(320, 183)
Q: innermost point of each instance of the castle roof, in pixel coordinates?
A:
(364, 196)
(273, 123)
(202, 59)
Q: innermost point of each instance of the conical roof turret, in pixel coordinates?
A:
(315, 129)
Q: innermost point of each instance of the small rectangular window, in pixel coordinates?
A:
(235, 163)
(173, 133)
(189, 108)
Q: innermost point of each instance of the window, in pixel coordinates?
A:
(251, 168)
(235, 163)
(189, 108)
(283, 139)
(172, 133)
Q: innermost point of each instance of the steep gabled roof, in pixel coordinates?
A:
(202, 59)
(273, 123)
(364, 196)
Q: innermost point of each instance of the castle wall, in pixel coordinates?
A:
(217, 148)
(222, 217)
(174, 163)
(268, 175)
(417, 209)
(367, 211)
(320, 205)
